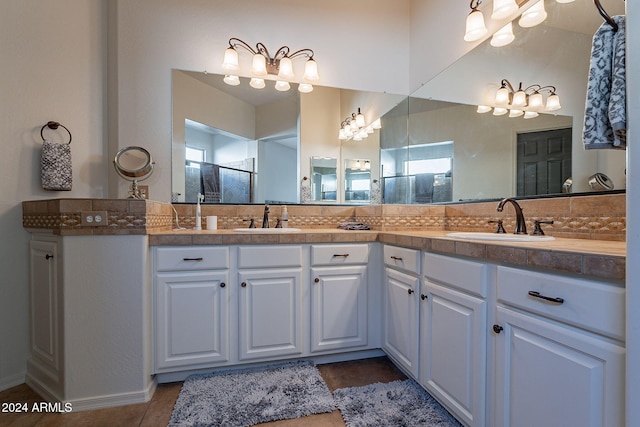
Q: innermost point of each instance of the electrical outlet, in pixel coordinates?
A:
(93, 218)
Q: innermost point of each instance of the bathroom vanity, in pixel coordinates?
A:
(494, 330)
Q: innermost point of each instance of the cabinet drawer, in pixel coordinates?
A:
(402, 258)
(339, 254)
(192, 258)
(458, 273)
(595, 306)
(269, 256)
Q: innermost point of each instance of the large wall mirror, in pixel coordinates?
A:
(482, 149)
(433, 146)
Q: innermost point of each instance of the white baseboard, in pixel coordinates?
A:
(12, 381)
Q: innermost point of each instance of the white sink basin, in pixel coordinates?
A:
(473, 235)
(266, 230)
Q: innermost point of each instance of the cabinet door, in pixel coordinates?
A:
(46, 300)
(192, 319)
(453, 338)
(270, 313)
(338, 307)
(551, 375)
(400, 336)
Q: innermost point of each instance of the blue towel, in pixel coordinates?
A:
(605, 120)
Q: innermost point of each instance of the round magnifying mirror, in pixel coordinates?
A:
(133, 164)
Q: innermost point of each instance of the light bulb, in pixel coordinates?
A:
(282, 86)
(483, 109)
(503, 9)
(475, 28)
(231, 80)
(305, 88)
(553, 102)
(285, 71)
(503, 36)
(256, 83)
(533, 16)
(311, 71)
(502, 97)
(259, 65)
(230, 62)
(519, 99)
(535, 101)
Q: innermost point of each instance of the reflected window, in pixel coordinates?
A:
(440, 165)
(193, 154)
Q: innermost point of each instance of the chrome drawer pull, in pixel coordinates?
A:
(341, 255)
(557, 300)
(396, 258)
(193, 259)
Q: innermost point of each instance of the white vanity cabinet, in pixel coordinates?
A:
(400, 311)
(339, 296)
(270, 301)
(559, 351)
(453, 335)
(191, 306)
(46, 362)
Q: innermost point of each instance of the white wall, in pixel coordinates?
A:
(53, 68)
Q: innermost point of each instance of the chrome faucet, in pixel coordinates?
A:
(521, 226)
(265, 218)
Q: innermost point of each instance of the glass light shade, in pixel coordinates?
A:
(353, 125)
(553, 102)
(503, 36)
(342, 135)
(535, 101)
(357, 137)
(257, 83)
(305, 88)
(285, 71)
(348, 131)
(230, 62)
(503, 9)
(259, 65)
(282, 86)
(369, 129)
(515, 113)
(475, 28)
(530, 114)
(533, 16)
(377, 124)
(311, 71)
(360, 120)
(565, 1)
(499, 111)
(519, 99)
(502, 97)
(231, 80)
(483, 109)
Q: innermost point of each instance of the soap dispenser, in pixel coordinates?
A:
(199, 213)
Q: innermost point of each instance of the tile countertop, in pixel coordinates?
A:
(597, 259)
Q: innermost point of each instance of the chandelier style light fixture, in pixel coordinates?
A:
(475, 27)
(278, 67)
(354, 127)
(527, 102)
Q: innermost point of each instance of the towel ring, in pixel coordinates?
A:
(54, 125)
(605, 15)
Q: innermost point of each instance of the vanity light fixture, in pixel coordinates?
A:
(475, 28)
(278, 67)
(527, 102)
(354, 127)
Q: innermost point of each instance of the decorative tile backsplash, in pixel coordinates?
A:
(601, 217)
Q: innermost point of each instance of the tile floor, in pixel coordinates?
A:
(157, 411)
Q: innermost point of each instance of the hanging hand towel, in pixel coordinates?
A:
(605, 107)
(56, 166)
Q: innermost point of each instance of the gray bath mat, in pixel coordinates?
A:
(398, 403)
(252, 396)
